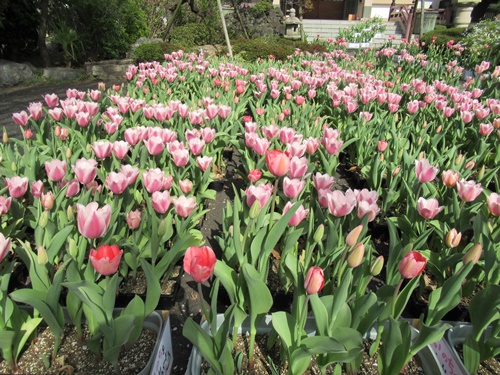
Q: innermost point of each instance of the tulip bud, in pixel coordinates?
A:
(13, 166)
(453, 238)
(315, 280)
(473, 254)
(48, 201)
(439, 129)
(68, 153)
(254, 210)
(412, 265)
(352, 237)
(377, 266)
(42, 256)
(28, 134)
(458, 159)
(356, 255)
(470, 165)
(57, 131)
(481, 172)
(419, 142)
(396, 171)
(44, 219)
(72, 248)
(381, 157)
(162, 229)
(231, 231)
(70, 213)
(5, 137)
(424, 125)
(318, 235)
(89, 148)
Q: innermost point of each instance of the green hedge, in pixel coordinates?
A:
(444, 35)
(280, 48)
(154, 51)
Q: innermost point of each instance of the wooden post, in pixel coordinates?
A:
(226, 35)
(422, 6)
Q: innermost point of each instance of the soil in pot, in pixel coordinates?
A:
(267, 361)
(489, 367)
(74, 358)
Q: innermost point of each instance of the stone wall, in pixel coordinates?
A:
(264, 25)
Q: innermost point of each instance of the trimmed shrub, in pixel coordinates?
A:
(279, 48)
(194, 34)
(154, 51)
(444, 35)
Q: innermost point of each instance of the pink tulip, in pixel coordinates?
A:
(102, 149)
(184, 206)
(204, 162)
(21, 118)
(297, 149)
(382, 146)
(186, 186)
(85, 170)
(106, 259)
(286, 134)
(37, 189)
(428, 208)
(494, 204)
(485, 129)
(120, 149)
(339, 204)
(254, 175)
(298, 167)
(36, 110)
(369, 196)
(278, 162)
(131, 172)
(196, 145)
(323, 181)
(314, 281)
(52, 100)
(366, 208)
(153, 180)
(332, 145)
(56, 169)
(259, 145)
(134, 219)
(208, 134)
(17, 186)
(212, 110)
(412, 265)
(47, 201)
(181, 157)
(260, 193)
(116, 182)
(133, 135)
(56, 113)
(160, 201)
(5, 205)
(468, 190)
(293, 187)
(154, 145)
(312, 145)
(271, 131)
(4, 246)
(82, 118)
(199, 262)
(450, 178)
(425, 172)
(92, 220)
(224, 111)
(299, 215)
(73, 187)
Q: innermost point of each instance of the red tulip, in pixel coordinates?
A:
(199, 262)
(278, 162)
(412, 265)
(254, 175)
(106, 259)
(315, 280)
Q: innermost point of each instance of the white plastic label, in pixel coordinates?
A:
(446, 358)
(164, 358)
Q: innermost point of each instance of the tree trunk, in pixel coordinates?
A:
(42, 33)
(226, 35)
(171, 20)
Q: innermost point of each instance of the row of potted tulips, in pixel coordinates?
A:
(152, 128)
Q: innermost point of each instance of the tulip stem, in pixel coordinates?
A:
(250, 223)
(273, 202)
(202, 302)
(395, 297)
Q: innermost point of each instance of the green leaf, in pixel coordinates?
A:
(57, 242)
(284, 324)
(153, 288)
(202, 340)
